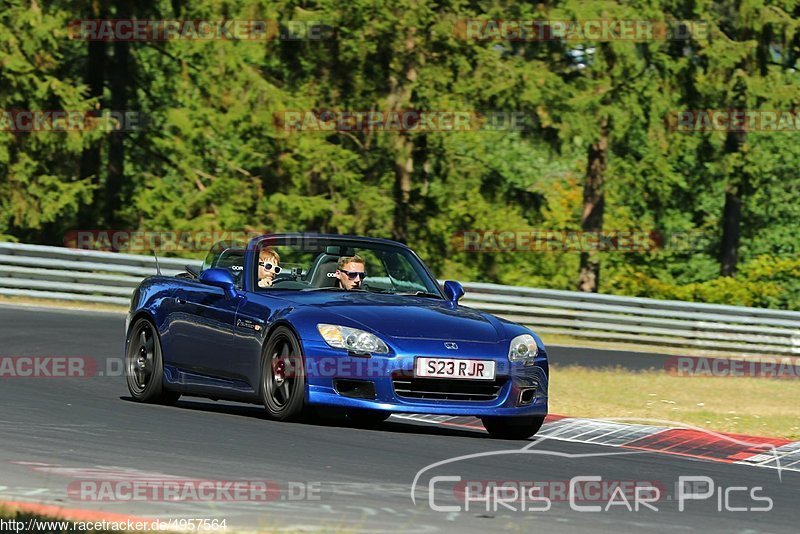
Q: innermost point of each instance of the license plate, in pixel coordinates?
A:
(450, 368)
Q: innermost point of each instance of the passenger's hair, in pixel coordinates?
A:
(269, 252)
(344, 260)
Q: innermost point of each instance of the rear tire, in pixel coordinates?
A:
(367, 418)
(283, 378)
(144, 365)
(513, 427)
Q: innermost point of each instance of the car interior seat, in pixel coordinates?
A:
(232, 259)
(322, 272)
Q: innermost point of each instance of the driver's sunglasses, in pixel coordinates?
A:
(353, 274)
(268, 266)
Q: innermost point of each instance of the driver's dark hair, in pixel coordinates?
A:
(344, 260)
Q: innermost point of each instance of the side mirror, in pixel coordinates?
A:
(221, 278)
(453, 291)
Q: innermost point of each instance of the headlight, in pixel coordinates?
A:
(523, 348)
(352, 339)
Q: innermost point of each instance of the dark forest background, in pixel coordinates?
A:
(597, 151)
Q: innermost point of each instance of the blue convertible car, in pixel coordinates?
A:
(394, 342)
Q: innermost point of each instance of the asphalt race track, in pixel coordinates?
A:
(56, 431)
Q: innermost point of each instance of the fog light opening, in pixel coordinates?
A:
(526, 396)
(356, 389)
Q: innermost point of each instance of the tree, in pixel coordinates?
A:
(41, 190)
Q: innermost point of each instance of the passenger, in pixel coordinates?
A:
(268, 260)
(351, 272)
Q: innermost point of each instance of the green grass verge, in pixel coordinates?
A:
(754, 406)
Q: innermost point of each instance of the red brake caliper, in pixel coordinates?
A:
(279, 370)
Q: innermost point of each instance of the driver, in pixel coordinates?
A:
(268, 260)
(351, 272)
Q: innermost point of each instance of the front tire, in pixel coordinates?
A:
(144, 365)
(513, 427)
(283, 378)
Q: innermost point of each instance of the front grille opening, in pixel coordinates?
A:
(409, 387)
(356, 389)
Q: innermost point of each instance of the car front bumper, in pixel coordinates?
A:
(326, 368)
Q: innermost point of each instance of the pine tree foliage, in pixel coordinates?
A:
(595, 149)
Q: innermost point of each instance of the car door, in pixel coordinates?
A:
(202, 331)
(202, 328)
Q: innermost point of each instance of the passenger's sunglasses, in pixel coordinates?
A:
(353, 274)
(268, 266)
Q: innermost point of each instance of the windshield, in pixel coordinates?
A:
(340, 264)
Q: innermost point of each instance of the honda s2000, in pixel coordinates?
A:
(396, 342)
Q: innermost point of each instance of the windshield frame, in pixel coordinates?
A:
(317, 240)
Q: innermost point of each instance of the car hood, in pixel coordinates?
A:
(406, 317)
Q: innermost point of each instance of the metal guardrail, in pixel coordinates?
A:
(642, 321)
(58, 273)
(90, 276)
